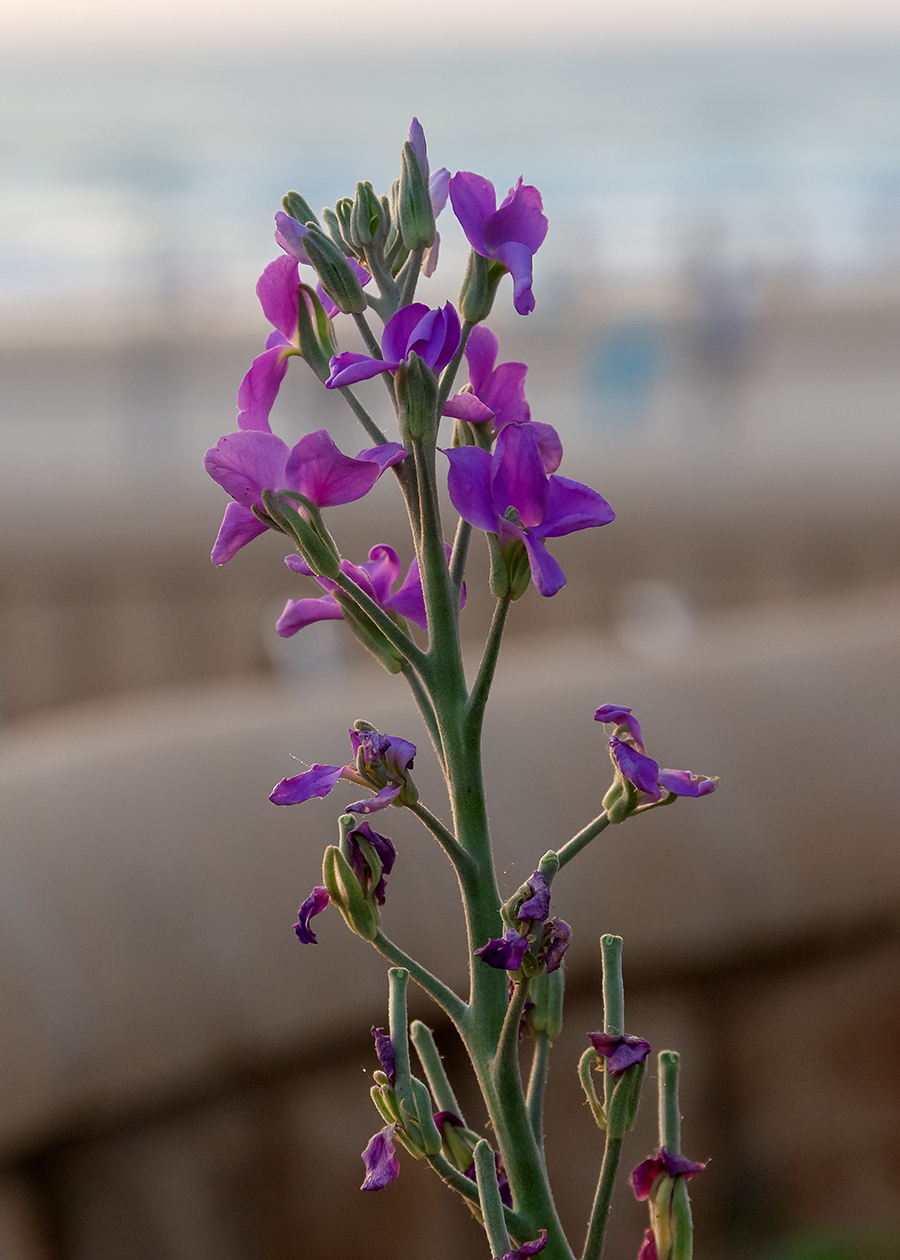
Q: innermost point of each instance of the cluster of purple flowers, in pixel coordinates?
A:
(549, 938)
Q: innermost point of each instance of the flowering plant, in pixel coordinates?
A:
(364, 259)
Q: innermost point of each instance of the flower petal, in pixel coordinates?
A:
(385, 455)
(618, 715)
(299, 613)
(400, 328)
(517, 474)
(683, 783)
(505, 952)
(384, 1048)
(239, 527)
(290, 235)
(482, 349)
(246, 463)
(520, 218)
(469, 484)
(639, 769)
(527, 1249)
(318, 469)
(465, 406)
(439, 188)
(474, 200)
(381, 800)
(276, 289)
(379, 1157)
(409, 600)
(505, 395)
(259, 388)
(570, 506)
(537, 907)
(314, 904)
(347, 368)
(316, 781)
(545, 569)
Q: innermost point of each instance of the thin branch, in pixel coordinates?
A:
(574, 846)
(537, 1082)
(445, 838)
(389, 628)
(371, 428)
(506, 1057)
(480, 691)
(460, 553)
(408, 276)
(593, 1246)
(425, 707)
(372, 343)
(460, 1182)
(451, 1003)
(448, 376)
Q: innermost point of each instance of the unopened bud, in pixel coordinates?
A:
(360, 914)
(313, 540)
(317, 344)
(417, 393)
(479, 287)
(415, 211)
(298, 208)
(510, 569)
(365, 216)
(338, 278)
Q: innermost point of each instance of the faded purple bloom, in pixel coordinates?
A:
(537, 907)
(314, 904)
(661, 1165)
(513, 233)
(619, 1052)
(630, 758)
(498, 394)
(384, 1048)
(250, 461)
(377, 576)
(648, 1247)
(432, 334)
(508, 493)
(448, 1117)
(385, 852)
(527, 1249)
(505, 952)
(380, 1159)
(386, 763)
(555, 942)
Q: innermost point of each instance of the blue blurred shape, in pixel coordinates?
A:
(625, 364)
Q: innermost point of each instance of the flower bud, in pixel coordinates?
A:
(622, 1108)
(417, 394)
(334, 231)
(313, 540)
(366, 220)
(416, 214)
(479, 287)
(621, 800)
(360, 914)
(317, 344)
(298, 208)
(337, 276)
(546, 993)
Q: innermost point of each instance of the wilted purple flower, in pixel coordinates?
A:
(248, 462)
(498, 394)
(385, 851)
(537, 906)
(314, 904)
(377, 576)
(555, 942)
(630, 758)
(432, 334)
(384, 1048)
(380, 1159)
(505, 952)
(508, 493)
(386, 761)
(527, 1249)
(513, 233)
(648, 1247)
(661, 1165)
(619, 1052)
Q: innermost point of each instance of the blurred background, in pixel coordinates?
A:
(717, 339)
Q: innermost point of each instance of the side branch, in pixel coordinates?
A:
(574, 846)
(480, 691)
(451, 1003)
(460, 1182)
(371, 428)
(388, 627)
(445, 838)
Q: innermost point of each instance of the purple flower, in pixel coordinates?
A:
(527, 1249)
(278, 293)
(648, 1247)
(537, 906)
(630, 759)
(250, 461)
(433, 335)
(661, 1165)
(619, 1052)
(508, 493)
(385, 764)
(314, 904)
(555, 942)
(380, 1159)
(438, 188)
(505, 952)
(377, 576)
(513, 233)
(385, 851)
(384, 1048)
(498, 394)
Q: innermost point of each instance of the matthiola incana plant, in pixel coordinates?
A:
(355, 268)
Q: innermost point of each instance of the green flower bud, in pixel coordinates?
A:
(510, 570)
(415, 211)
(621, 800)
(366, 223)
(417, 393)
(338, 277)
(313, 540)
(360, 914)
(298, 208)
(622, 1109)
(546, 992)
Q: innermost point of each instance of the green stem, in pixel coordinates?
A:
(441, 599)
(398, 980)
(582, 839)
(371, 428)
(669, 1110)
(451, 1003)
(372, 343)
(480, 691)
(593, 1246)
(506, 1059)
(448, 376)
(433, 1067)
(388, 627)
(537, 1085)
(461, 1183)
(489, 1197)
(460, 553)
(425, 707)
(445, 838)
(386, 285)
(408, 276)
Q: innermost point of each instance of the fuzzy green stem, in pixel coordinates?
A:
(445, 838)
(451, 1003)
(397, 638)
(433, 1067)
(489, 1197)
(578, 842)
(537, 1085)
(593, 1246)
(425, 707)
(506, 1060)
(481, 689)
(460, 553)
(448, 376)
(398, 980)
(371, 428)
(613, 987)
(408, 276)
(586, 1066)
(371, 341)
(669, 1112)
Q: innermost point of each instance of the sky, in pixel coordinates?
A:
(38, 23)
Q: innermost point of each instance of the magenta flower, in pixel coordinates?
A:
(527, 1249)
(508, 493)
(433, 335)
(380, 1159)
(384, 764)
(314, 904)
(377, 576)
(648, 1247)
(505, 952)
(386, 853)
(630, 758)
(619, 1052)
(512, 234)
(278, 293)
(554, 943)
(250, 461)
(661, 1165)
(537, 906)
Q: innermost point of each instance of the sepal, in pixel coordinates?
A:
(415, 211)
(360, 914)
(479, 287)
(316, 332)
(298, 208)
(338, 278)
